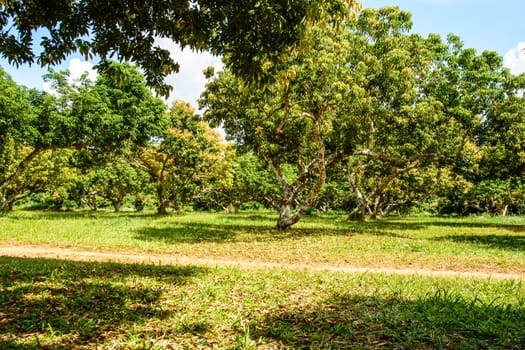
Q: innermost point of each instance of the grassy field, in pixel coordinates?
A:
(470, 244)
(59, 304)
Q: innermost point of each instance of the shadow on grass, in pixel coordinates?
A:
(194, 233)
(440, 321)
(79, 303)
(78, 214)
(504, 242)
(413, 224)
(240, 231)
(187, 233)
(268, 219)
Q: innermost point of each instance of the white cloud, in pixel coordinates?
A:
(76, 68)
(514, 59)
(189, 83)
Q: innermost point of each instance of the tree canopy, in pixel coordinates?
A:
(364, 116)
(101, 117)
(367, 89)
(245, 32)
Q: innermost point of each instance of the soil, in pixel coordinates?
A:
(24, 251)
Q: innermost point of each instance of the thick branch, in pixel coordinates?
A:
(22, 167)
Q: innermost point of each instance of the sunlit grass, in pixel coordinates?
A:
(63, 305)
(58, 304)
(466, 244)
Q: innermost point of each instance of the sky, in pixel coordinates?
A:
(496, 25)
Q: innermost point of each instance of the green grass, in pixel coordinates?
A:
(59, 304)
(62, 305)
(469, 244)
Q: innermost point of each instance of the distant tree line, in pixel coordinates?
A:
(363, 117)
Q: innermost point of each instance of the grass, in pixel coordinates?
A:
(59, 304)
(470, 244)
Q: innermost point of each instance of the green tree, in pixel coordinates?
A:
(116, 181)
(250, 182)
(482, 85)
(101, 117)
(49, 178)
(360, 90)
(284, 124)
(183, 160)
(17, 136)
(246, 32)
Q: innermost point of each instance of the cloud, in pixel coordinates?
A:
(514, 59)
(76, 68)
(189, 83)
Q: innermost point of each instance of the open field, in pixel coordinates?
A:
(269, 292)
(471, 244)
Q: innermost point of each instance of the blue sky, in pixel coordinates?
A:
(497, 25)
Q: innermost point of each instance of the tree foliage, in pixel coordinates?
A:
(363, 116)
(187, 157)
(100, 117)
(364, 89)
(246, 32)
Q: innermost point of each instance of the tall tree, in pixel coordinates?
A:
(250, 181)
(290, 122)
(101, 117)
(479, 84)
(361, 89)
(246, 32)
(183, 159)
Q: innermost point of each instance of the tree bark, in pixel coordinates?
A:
(286, 219)
(292, 191)
(236, 207)
(162, 208)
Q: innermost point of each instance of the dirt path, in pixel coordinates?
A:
(75, 255)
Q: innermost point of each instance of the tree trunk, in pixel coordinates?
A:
(6, 205)
(286, 219)
(117, 204)
(162, 208)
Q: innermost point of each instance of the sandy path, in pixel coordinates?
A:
(75, 255)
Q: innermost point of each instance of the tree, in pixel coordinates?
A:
(49, 179)
(246, 32)
(250, 181)
(183, 160)
(115, 181)
(289, 123)
(495, 168)
(17, 131)
(360, 90)
(101, 117)
(376, 191)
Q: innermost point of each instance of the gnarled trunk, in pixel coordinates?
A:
(286, 219)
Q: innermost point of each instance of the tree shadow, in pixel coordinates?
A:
(194, 233)
(504, 242)
(187, 233)
(80, 214)
(79, 303)
(475, 224)
(239, 231)
(423, 223)
(439, 321)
